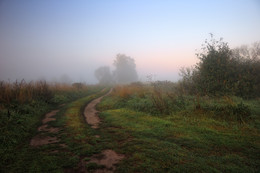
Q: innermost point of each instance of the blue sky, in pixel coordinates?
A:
(50, 38)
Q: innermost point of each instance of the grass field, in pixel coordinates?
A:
(20, 127)
(155, 131)
(185, 141)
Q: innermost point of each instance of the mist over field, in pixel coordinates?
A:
(66, 41)
(129, 86)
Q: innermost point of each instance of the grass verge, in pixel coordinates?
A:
(18, 156)
(179, 142)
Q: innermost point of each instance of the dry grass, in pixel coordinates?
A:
(67, 87)
(125, 91)
(23, 91)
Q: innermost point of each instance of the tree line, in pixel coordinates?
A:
(220, 71)
(125, 71)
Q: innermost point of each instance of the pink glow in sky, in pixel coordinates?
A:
(50, 38)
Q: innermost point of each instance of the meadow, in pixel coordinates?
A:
(22, 108)
(154, 125)
(129, 86)
(209, 121)
(160, 130)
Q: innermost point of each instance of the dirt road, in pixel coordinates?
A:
(91, 114)
(108, 158)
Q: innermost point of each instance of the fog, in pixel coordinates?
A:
(67, 41)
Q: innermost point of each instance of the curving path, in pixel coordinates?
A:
(91, 114)
(108, 158)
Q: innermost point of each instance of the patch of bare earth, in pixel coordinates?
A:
(108, 158)
(45, 128)
(91, 114)
(49, 117)
(39, 140)
(42, 139)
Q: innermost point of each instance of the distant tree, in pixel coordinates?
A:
(246, 61)
(65, 79)
(246, 52)
(103, 75)
(187, 84)
(125, 71)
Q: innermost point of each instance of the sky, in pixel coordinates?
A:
(55, 39)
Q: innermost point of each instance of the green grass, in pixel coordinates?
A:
(181, 142)
(185, 140)
(78, 135)
(75, 134)
(18, 156)
(16, 128)
(93, 166)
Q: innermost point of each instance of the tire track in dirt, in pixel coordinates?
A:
(107, 158)
(91, 114)
(41, 138)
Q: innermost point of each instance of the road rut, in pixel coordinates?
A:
(107, 158)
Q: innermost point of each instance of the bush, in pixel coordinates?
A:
(223, 71)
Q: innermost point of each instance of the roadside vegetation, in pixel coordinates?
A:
(22, 107)
(207, 122)
(159, 130)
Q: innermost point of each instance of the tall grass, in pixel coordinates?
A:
(165, 98)
(126, 91)
(24, 92)
(170, 131)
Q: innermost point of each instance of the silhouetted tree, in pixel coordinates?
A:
(103, 75)
(125, 71)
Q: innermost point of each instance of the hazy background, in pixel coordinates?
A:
(63, 40)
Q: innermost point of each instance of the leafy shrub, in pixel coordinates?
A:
(223, 71)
